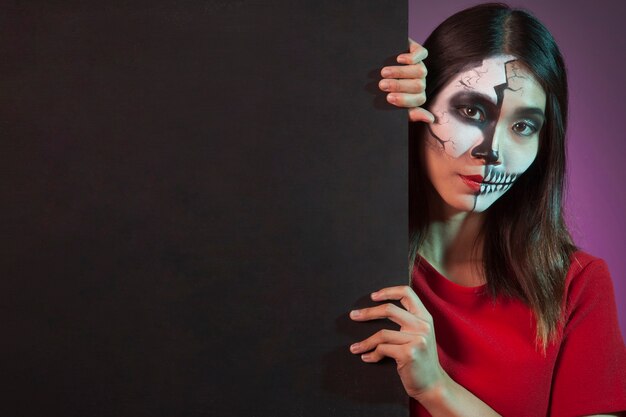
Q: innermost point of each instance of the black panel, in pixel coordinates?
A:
(195, 194)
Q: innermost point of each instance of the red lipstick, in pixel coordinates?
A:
(472, 181)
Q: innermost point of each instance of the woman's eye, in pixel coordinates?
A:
(472, 113)
(524, 129)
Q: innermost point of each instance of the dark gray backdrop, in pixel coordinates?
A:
(195, 194)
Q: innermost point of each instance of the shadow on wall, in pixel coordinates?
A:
(346, 376)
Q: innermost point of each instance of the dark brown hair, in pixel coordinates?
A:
(527, 246)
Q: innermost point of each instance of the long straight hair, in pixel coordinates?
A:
(527, 247)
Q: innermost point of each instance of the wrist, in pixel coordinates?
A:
(437, 394)
(448, 398)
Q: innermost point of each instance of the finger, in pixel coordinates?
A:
(384, 351)
(417, 53)
(406, 100)
(420, 114)
(402, 86)
(401, 353)
(413, 45)
(383, 336)
(389, 311)
(407, 297)
(417, 70)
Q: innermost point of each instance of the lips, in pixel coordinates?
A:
(475, 178)
(472, 181)
(492, 181)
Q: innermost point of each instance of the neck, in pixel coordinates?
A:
(452, 245)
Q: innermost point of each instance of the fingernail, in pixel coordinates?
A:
(365, 356)
(375, 295)
(402, 60)
(391, 98)
(384, 85)
(386, 72)
(355, 313)
(354, 347)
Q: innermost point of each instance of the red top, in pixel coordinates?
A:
(490, 348)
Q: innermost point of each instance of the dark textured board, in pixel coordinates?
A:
(195, 194)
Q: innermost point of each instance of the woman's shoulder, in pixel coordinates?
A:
(587, 279)
(581, 260)
(591, 347)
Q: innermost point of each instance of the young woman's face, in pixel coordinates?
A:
(485, 134)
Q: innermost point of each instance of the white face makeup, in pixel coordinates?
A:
(485, 134)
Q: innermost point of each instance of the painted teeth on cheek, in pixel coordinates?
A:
(497, 178)
(490, 188)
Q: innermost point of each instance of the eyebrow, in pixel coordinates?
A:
(531, 111)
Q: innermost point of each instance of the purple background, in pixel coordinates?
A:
(592, 37)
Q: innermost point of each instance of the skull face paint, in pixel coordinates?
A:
(485, 134)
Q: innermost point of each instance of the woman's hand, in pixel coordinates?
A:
(406, 84)
(413, 346)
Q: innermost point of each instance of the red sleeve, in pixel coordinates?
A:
(590, 371)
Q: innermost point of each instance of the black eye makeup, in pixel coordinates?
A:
(472, 107)
(477, 108)
(471, 112)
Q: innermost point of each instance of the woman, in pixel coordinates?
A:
(504, 316)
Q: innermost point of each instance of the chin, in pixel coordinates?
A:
(460, 203)
(471, 203)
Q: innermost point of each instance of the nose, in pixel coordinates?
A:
(487, 153)
(487, 149)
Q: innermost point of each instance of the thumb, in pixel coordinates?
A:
(419, 50)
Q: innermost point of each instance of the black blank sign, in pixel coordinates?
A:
(195, 194)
